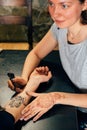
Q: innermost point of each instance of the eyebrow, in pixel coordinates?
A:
(61, 2)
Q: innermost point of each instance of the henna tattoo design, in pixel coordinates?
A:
(17, 101)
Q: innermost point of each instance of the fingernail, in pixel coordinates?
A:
(25, 119)
(21, 119)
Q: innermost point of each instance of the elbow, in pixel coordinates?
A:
(36, 54)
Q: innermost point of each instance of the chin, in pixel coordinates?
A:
(61, 25)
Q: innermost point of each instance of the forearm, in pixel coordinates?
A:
(78, 100)
(30, 64)
(18, 103)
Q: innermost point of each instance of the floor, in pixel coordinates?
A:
(12, 62)
(14, 46)
(5, 92)
(17, 46)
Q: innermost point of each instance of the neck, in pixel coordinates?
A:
(74, 35)
(77, 35)
(74, 29)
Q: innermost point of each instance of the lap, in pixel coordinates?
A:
(6, 121)
(82, 120)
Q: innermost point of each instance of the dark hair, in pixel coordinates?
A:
(83, 14)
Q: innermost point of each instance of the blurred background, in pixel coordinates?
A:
(23, 23)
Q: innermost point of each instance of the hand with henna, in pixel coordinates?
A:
(40, 105)
(19, 102)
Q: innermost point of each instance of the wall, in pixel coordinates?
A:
(41, 19)
(12, 19)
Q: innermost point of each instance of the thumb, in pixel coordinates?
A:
(32, 94)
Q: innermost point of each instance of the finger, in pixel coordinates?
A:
(46, 68)
(38, 115)
(28, 108)
(25, 115)
(30, 114)
(18, 89)
(43, 69)
(19, 80)
(50, 74)
(39, 68)
(10, 85)
(32, 94)
(25, 110)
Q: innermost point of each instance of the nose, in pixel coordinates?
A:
(57, 11)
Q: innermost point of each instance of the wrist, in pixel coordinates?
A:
(35, 81)
(25, 77)
(32, 85)
(58, 97)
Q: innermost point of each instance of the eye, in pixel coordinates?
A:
(50, 4)
(65, 6)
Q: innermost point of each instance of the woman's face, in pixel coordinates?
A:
(65, 13)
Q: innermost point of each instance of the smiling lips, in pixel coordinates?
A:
(59, 21)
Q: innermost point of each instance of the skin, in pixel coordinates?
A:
(19, 102)
(72, 23)
(62, 12)
(66, 14)
(41, 105)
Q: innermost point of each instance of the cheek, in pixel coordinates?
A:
(68, 14)
(72, 17)
(73, 14)
(50, 11)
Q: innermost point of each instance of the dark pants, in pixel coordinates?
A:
(6, 121)
(82, 120)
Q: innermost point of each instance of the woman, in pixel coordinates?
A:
(12, 110)
(69, 32)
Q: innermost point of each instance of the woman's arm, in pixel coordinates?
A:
(45, 46)
(44, 102)
(78, 100)
(18, 103)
